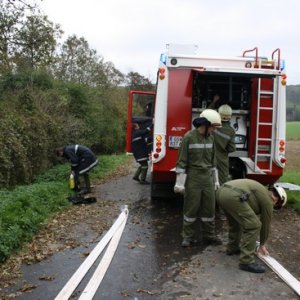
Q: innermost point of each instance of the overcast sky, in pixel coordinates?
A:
(132, 33)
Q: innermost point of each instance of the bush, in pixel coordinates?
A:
(39, 114)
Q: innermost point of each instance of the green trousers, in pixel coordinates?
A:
(199, 200)
(244, 224)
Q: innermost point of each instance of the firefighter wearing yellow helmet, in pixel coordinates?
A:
(224, 140)
(194, 168)
(248, 206)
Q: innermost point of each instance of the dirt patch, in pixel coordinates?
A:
(284, 242)
(292, 155)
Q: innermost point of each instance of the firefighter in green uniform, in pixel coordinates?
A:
(224, 141)
(242, 201)
(196, 175)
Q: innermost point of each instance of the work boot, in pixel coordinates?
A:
(144, 182)
(143, 175)
(233, 252)
(214, 241)
(253, 267)
(137, 174)
(84, 191)
(188, 242)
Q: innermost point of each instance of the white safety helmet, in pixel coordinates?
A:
(212, 116)
(282, 195)
(225, 112)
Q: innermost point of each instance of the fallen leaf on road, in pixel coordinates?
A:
(28, 287)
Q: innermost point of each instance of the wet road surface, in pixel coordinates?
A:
(149, 262)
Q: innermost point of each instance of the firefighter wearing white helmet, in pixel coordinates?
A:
(212, 116)
(248, 206)
(281, 193)
(196, 159)
(224, 140)
(225, 112)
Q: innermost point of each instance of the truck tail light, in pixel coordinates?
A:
(281, 146)
(281, 151)
(159, 148)
(283, 160)
(158, 139)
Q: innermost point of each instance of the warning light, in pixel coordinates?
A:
(283, 81)
(162, 73)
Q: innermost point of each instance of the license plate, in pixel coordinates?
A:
(174, 141)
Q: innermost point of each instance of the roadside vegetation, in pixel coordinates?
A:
(54, 91)
(24, 209)
(291, 173)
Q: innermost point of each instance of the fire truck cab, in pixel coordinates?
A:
(252, 85)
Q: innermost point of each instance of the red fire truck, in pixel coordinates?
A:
(254, 87)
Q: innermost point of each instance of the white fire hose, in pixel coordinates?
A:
(112, 237)
(284, 274)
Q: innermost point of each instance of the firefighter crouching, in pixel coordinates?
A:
(242, 201)
(82, 160)
(195, 169)
(140, 152)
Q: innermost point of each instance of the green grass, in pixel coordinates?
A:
(293, 130)
(293, 196)
(292, 176)
(24, 209)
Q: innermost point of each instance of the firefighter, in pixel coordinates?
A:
(242, 201)
(216, 101)
(140, 152)
(82, 160)
(195, 169)
(224, 141)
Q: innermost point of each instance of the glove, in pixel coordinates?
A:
(180, 182)
(215, 174)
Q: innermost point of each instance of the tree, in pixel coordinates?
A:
(37, 41)
(135, 81)
(78, 63)
(12, 15)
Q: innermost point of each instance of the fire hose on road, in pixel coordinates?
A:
(286, 276)
(112, 238)
(283, 273)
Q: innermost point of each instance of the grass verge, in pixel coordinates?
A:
(293, 196)
(293, 130)
(24, 209)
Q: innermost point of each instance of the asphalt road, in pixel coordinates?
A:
(150, 263)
